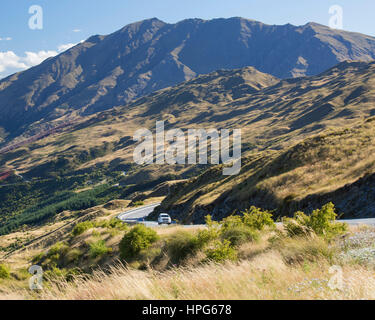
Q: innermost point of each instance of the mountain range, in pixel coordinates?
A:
(113, 70)
(307, 136)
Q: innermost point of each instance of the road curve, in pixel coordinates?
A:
(138, 215)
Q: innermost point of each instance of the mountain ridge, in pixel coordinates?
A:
(303, 139)
(143, 57)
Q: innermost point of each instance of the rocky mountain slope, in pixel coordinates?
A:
(303, 139)
(112, 70)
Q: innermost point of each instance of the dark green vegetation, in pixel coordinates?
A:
(137, 239)
(36, 203)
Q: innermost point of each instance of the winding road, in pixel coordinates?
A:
(139, 215)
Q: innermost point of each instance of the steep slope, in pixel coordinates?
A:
(283, 164)
(107, 71)
(106, 137)
(273, 114)
(336, 167)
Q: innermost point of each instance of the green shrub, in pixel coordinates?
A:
(82, 227)
(4, 272)
(39, 257)
(239, 234)
(298, 226)
(257, 219)
(231, 222)
(322, 222)
(72, 273)
(210, 234)
(221, 251)
(114, 223)
(73, 255)
(54, 256)
(181, 245)
(54, 273)
(59, 249)
(98, 249)
(138, 238)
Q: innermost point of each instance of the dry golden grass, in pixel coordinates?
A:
(264, 277)
(272, 268)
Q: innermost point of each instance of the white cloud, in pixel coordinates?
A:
(5, 39)
(64, 47)
(76, 30)
(34, 58)
(10, 62)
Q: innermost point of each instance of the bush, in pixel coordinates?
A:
(298, 226)
(239, 234)
(82, 227)
(232, 222)
(73, 255)
(54, 274)
(98, 249)
(181, 245)
(257, 219)
(4, 272)
(210, 234)
(37, 258)
(114, 223)
(138, 238)
(57, 250)
(322, 222)
(221, 251)
(54, 255)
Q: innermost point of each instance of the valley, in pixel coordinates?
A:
(80, 166)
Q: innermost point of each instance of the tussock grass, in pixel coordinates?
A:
(275, 266)
(267, 276)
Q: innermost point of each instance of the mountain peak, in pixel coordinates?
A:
(149, 55)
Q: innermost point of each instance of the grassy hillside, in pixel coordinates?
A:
(97, 257)
(337, 167)
(302, 138)
(112, 70)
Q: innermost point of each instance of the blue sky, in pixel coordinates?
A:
(66, 22)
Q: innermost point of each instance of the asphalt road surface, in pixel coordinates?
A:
(357, 222)
(139, 215)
